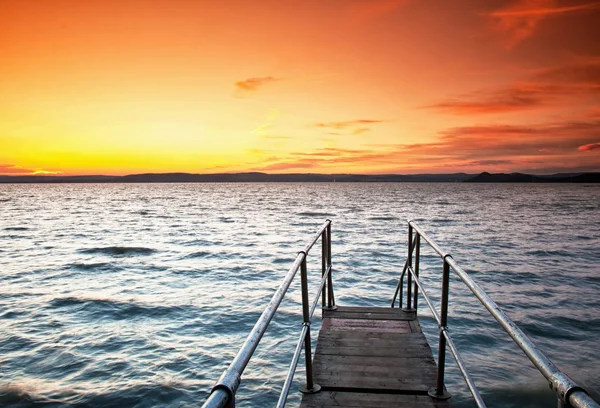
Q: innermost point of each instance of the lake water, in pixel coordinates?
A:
(140, 295)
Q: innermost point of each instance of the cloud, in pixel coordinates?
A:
(347, 123)
(348, 127)
(11, 169)
(553, 144)
(589, 147)
(509, 99)
(541, 88)
(537, 148)
(285, 165)
(520, 19)
(252, 84)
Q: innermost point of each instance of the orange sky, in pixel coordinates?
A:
(329, 86)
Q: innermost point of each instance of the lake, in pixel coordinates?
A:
(141, 294)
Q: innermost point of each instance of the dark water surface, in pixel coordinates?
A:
(118, 295)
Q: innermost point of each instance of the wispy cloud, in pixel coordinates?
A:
(546, 145)
(252, 84)
(347, 123)
(11, 169)
(510, 99)
(348, 127)
(520, 19)
(589, 147)
(541, 88)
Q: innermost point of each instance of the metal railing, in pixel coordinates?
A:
(223, 393)
(568, 392)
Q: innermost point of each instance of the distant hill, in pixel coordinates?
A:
(486, 177)
(238, 177)
(255, 177)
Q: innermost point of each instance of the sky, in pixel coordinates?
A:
(299, 86)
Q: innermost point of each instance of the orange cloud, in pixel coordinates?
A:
(498, 101)
(348, 127)
(589, 147)
(543, 88)
(520, 19)
(10, 169)
(252, 84)
(347, 123)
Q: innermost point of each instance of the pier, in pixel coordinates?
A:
(378, 356)
(372, 357)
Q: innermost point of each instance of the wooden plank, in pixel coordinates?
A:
(345, 363)
(416, 351)
(382, 326)
(372, 357)
(373, 315)
(375, 372)
(326, 399)
(368, 309)
(359, 382)
(396, 338)
(415, 326)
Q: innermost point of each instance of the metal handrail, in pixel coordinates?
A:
(568, 392)
(224, 391)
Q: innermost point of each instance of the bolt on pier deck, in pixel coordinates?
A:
(372, 357)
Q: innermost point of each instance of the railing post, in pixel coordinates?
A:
(323, 265)
(310, 386)
(417, 263)
(409, 275)
(330, 296)
(439, 392)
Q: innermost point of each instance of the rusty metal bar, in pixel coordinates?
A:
(409, 277)
(223, 393)
(567, 391)
(426, 297)
(323, 262)
(400, 286)
(310, 385)
(416, 270)
(330, 294)
(439, 392)
(290, 375)
(463, 370)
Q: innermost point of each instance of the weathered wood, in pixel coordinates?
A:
(415, 326)
(413, 351)
(372, 357)
(369, 313)
(326, 399)
(365, 325)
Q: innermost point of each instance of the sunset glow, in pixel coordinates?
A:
(313, 86)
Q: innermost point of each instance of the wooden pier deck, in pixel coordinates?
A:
(372, 357)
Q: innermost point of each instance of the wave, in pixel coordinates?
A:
(141, 212)
(115, 309)
(199, 254)
(314, 214)
(42, 393)
(96, 266)
(383, 218)
(16, 229)
(118, 251)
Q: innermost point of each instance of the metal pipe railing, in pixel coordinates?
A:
(223, 393)
(568, 392)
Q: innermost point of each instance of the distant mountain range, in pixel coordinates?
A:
(308, 177)
(486, 177)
